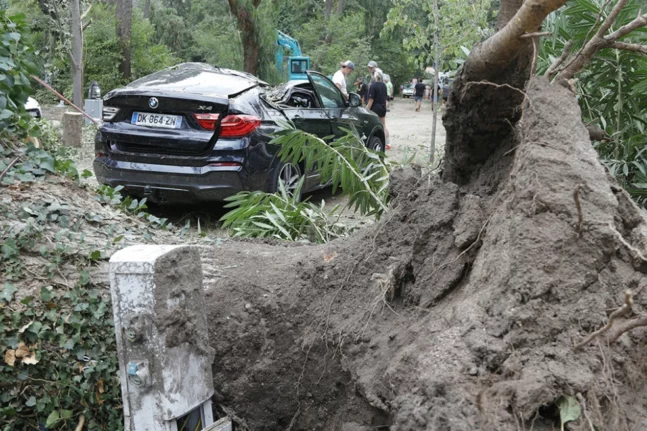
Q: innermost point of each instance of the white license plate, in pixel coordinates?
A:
(156, 120)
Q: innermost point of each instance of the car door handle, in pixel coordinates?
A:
(297, 117)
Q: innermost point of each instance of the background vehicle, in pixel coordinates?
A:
(33, 107)
(197, 132)
(297, 63)
(407, 91)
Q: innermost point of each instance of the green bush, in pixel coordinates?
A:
(16, 64)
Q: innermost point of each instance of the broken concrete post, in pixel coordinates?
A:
(72, 129)
(162, 340)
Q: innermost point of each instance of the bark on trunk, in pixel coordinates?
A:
(328, 9)
(485, 100)
(124, 17)
(77, 53)
(249, 33)
(340, 8)
(147, 9)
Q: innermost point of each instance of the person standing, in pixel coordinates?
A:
(362, 89)
(377, 97)
(339, 78)
(419, 94)
(389, 92)
(372, 67)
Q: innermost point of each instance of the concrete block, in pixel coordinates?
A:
(162, 339)
(72, 129)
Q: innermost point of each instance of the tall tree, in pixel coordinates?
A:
(124, 15)
(245, 12)
(76, 56)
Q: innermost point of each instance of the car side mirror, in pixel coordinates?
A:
(354, 100)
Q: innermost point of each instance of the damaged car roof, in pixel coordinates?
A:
(197, 78)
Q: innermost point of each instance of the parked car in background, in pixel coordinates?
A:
(195, 132)
(407, 91)
(33, 107)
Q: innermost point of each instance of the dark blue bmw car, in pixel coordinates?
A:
(196, 132)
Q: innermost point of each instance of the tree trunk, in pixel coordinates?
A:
(77, 54)
(147, 9)
(249, 32)
(434, 102)
(340, 7)
(328, 9)
(460, 309)
(124, 15)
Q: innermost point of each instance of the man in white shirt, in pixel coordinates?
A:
(339, 78)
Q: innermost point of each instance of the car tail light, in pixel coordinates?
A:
(232, 126)
(207, 121)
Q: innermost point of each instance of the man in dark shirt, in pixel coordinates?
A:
(419, 94)
(377, 97)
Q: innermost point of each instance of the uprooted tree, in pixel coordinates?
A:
(480, 300)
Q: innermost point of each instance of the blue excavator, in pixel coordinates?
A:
(297, 63)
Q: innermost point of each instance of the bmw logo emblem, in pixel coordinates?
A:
(153, 102)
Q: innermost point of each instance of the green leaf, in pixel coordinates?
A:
(8, 291)
(569, 409)
(52, 419)
(46, 294)
(31, 402)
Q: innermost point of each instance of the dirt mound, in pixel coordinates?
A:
(459, 310)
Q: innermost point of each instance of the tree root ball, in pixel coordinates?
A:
(458, 310)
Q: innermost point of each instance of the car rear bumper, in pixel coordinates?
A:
(169, 183)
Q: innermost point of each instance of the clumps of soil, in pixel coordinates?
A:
(459, 310)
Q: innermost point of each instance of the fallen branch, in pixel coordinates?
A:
(9, 167)
(63, 98)
(615, 315)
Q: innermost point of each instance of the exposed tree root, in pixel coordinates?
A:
(620, 312)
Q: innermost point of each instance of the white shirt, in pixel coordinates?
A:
(340, 79)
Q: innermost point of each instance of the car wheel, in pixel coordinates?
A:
(375, 144)
(290, 174)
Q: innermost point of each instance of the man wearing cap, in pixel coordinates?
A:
(372, 67)
(339, 78)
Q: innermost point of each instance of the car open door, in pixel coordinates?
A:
(334, 103)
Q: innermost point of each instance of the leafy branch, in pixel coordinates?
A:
(282, 216)
(347, 163)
